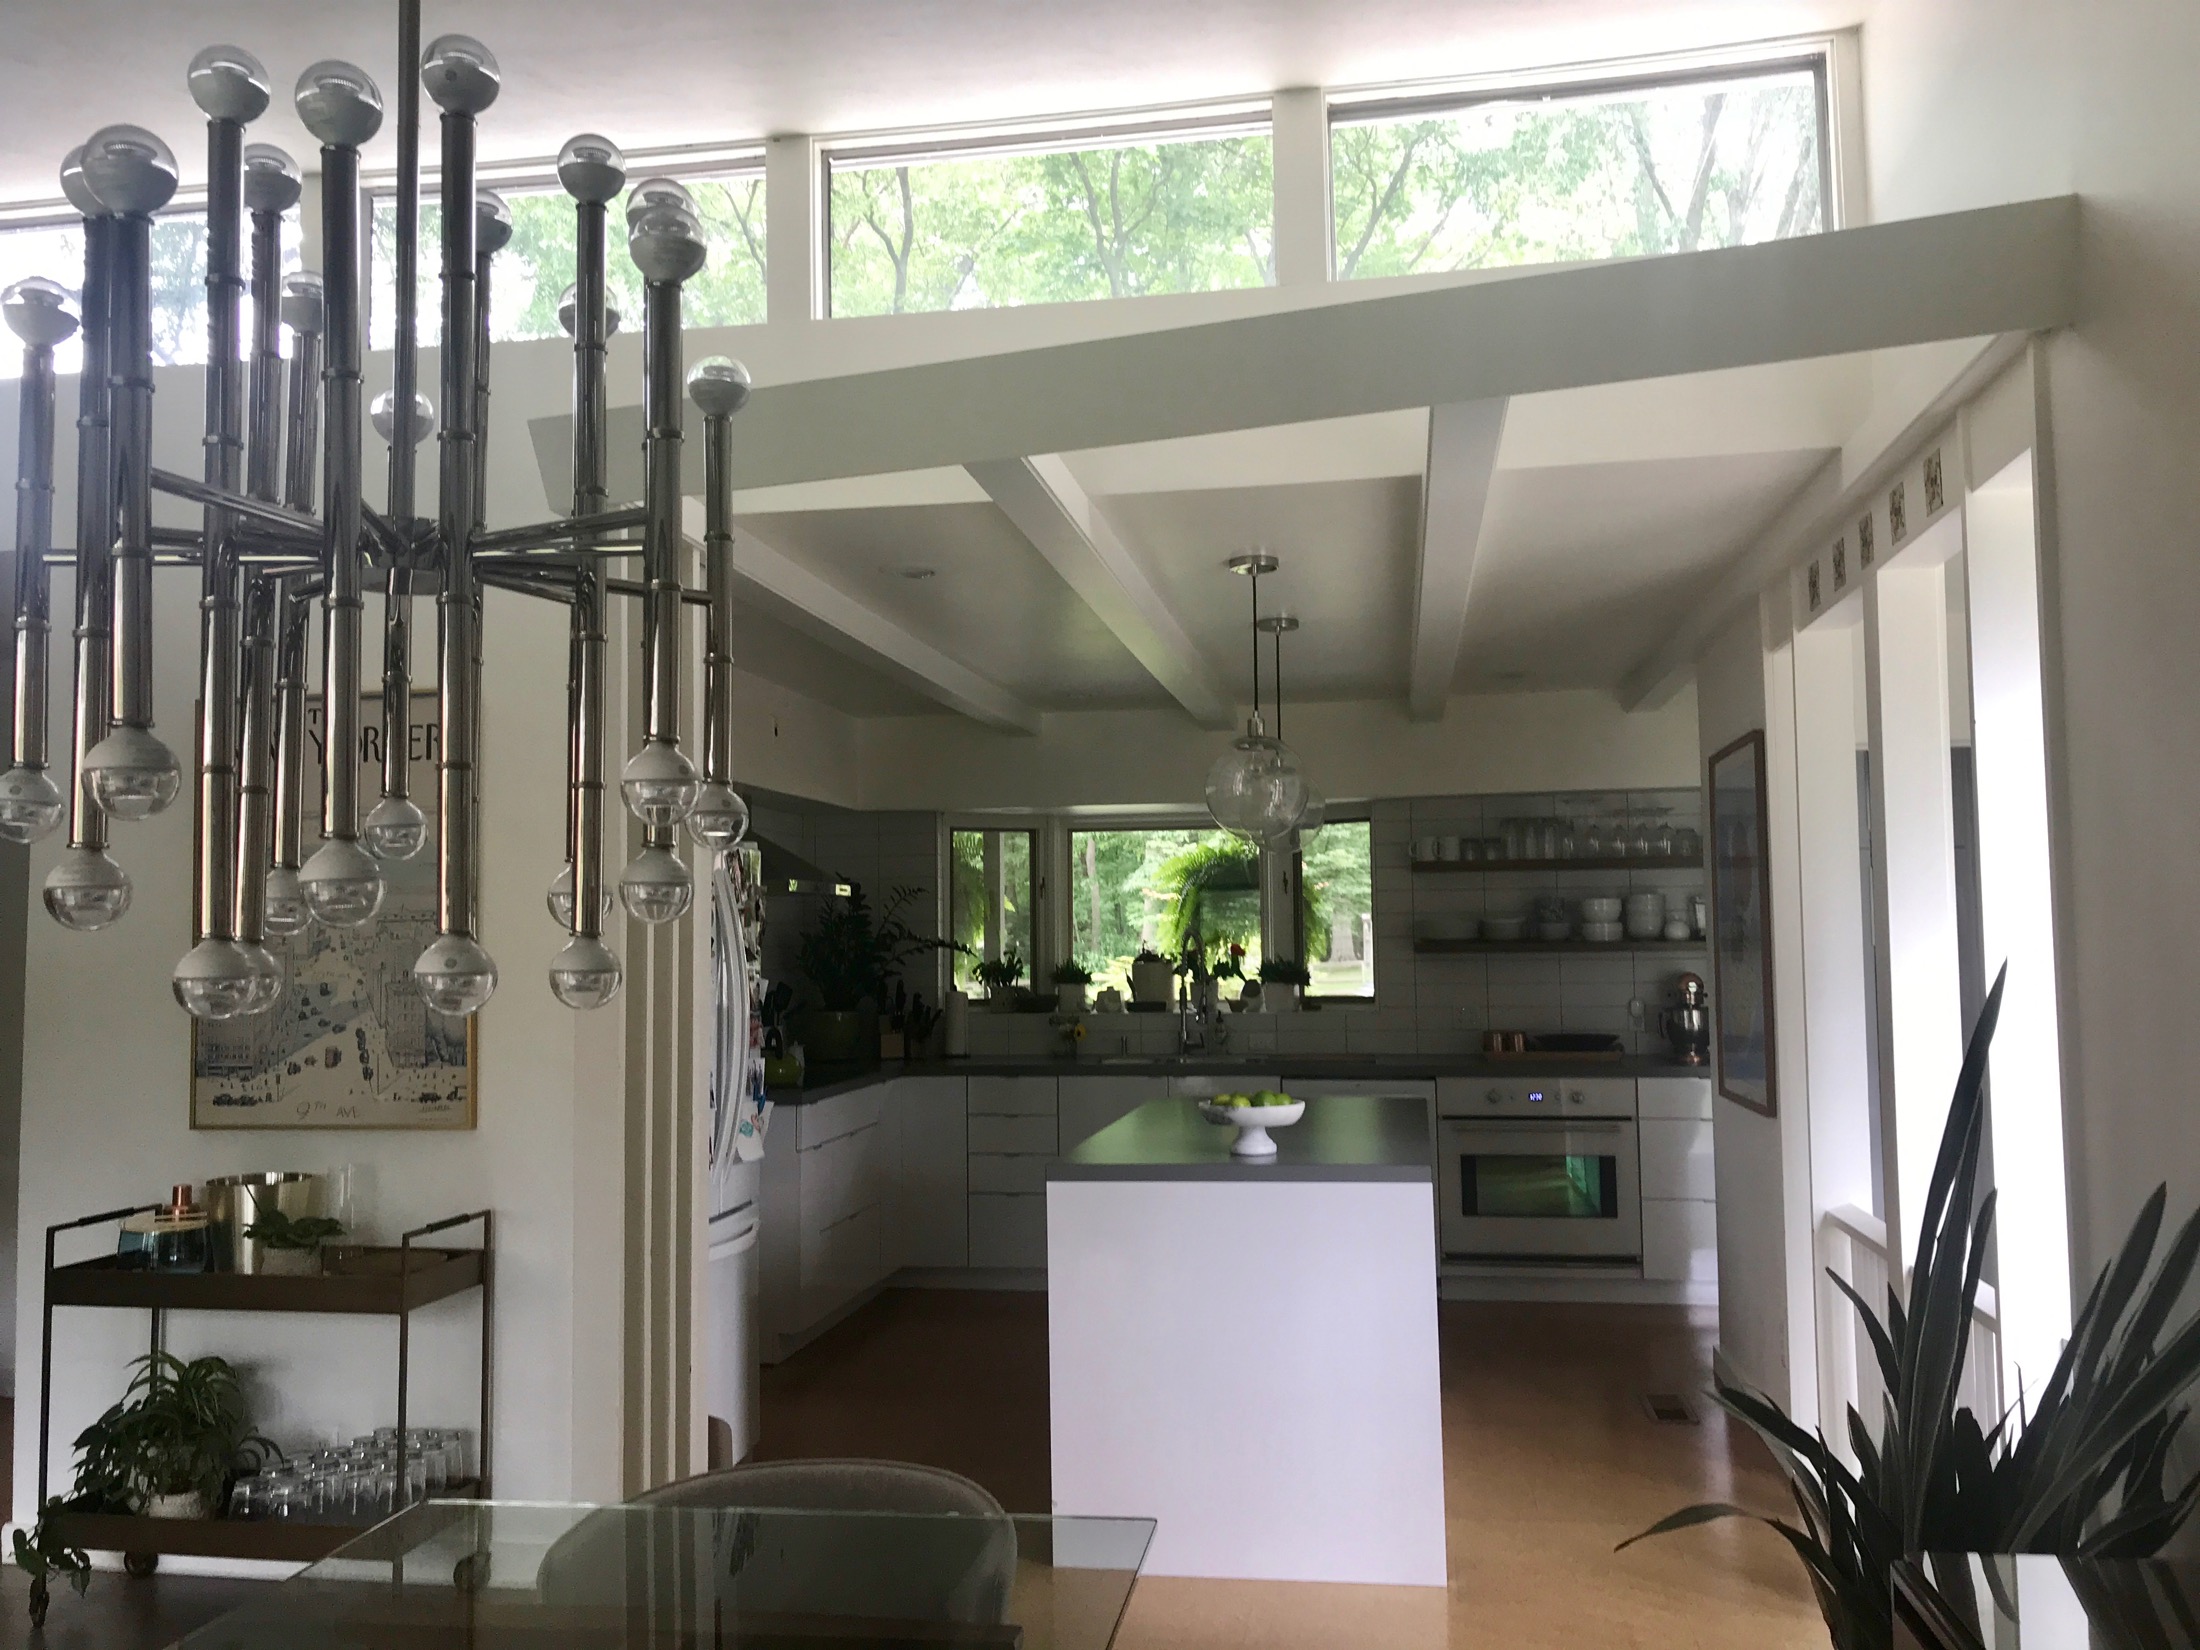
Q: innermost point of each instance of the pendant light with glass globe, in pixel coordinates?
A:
(1256, 789)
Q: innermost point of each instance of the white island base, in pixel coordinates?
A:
(1247, 1353)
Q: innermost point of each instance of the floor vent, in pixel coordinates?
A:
(1670, 1409)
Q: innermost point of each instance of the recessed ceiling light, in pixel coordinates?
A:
(914, 574)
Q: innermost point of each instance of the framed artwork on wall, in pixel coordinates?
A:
(1741, 915)
(351, 1046)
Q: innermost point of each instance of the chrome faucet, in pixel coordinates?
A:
(1197, 1022)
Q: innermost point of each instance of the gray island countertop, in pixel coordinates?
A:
(1342, 1137)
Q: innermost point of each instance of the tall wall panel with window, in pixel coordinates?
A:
(1561, 173)
(993, 894)
(1336, 909)
(1116, 215)
(532, 272)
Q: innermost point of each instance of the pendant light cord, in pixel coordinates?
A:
(1279, 683)
(1256, 645)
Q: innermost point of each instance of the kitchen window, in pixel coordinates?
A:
(993, 896)
(1336, 909)
(1165, 889)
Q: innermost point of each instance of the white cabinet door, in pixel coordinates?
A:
(1676, 1158)
(1089, 1104)
(1032, 1135)
(1008, 1229)
(1679, 1097)
(1011, 1096)
(1680, 1240)
(932, 1215)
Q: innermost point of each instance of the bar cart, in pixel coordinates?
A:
(358, 1280)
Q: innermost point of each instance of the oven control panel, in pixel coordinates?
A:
(1538, 1096)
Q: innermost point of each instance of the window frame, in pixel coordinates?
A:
(1357, 813)
(1042, 883)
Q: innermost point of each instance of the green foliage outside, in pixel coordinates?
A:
(1675, 170)
(1337, 877)
(968, 898)
(531, 274)
(1194, 215)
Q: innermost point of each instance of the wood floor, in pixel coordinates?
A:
(1550, 1460)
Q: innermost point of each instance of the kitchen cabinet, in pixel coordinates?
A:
(1008, 1231)
(931, 1224)
(1014, 1133)
(1676, 1158)
(828, 1186)
(1675, 1097)
(1012, 1096)
(1089, 1104)
(1680, 1225)
(1680, 1240)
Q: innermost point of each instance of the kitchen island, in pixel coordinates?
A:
(1245, 1349)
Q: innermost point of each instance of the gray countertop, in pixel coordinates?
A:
(1327, 1067)
(1342, 1137)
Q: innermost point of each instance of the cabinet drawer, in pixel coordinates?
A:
(998, 1172)
(1008, 1230)
(1011, 1096)
(1029, 1135)
(839, 1114)
(1676, 1159)
(1677, 1097)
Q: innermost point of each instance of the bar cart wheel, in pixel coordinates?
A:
(140, 1565)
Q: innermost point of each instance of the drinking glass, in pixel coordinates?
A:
(1687, 843)
(1516, 839)
(290, 1499)
(1638, 841)
(248, 1499)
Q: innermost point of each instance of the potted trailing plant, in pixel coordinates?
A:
(42, 1554)
(1153, 977)
(2081, 1469)
(1072, 980)
(170, 1447)
(290, 1246)
(999, 976)
(1281, 981)
(849, 960)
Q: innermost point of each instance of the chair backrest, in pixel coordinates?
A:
(958, 1568)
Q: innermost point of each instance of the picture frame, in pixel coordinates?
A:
(1741, 924)
(352, 1046)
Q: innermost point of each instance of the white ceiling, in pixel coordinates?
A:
(663, 72)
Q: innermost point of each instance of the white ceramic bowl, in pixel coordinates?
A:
(1253, 1124)
(1600, 910)
(1503, 928)
(1554, 930)
(1603, 933)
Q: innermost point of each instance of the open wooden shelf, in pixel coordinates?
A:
(377, 1281)
(1603, 862)
(1607, 948)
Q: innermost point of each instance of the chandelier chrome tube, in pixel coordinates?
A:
(340, 106)
(284, 905)
(304, 311)
(455, 974)
(31, 804)
(131, 773)
(87, 890)
(271, 188)
(218, 979)
(719, 818)
(396, 829)
(665, 239)
(255, 798)
(587, 972)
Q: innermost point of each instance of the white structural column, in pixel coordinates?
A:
(1913, 866)
(1301, 135)
(1051, 509)
(2009, 750)
(794, 231)
(1463, 438)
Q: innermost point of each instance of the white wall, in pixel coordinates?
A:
(1361, 748)
(1974, 101)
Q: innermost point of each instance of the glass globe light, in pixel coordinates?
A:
(462, 76)
(86, 891)
(129, 169)
(132, 774)
(271, 182)
(271, 977)
(666, 243)
(304, 303)
(76, 188)
(586, 974)
(217, 980)
(285, 910)
(719, 818)
(38, 311)
(1256, 789)
(1314, 816)
(228, 83)
(656, 887)
(395, 829)
(492, 221)
(384, 414)
(31, 805)
(455, 975)
(655, 192)
(659, 783)
(339, 103)
(720, 385)
(342, 884)
(565, 312)
(591, 168)
(560, 899)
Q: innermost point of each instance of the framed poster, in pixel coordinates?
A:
(1741, 938)
(351, 1046)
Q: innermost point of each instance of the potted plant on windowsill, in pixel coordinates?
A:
(1072, 981)
(1282, 979)
(999, 976)
(849, 961)
(1153, 977)
(290, 1245)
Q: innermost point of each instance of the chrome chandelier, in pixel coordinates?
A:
(264, 558)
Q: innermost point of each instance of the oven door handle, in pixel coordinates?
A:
(1535, 1126)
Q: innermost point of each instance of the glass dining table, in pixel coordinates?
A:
(503, 1575)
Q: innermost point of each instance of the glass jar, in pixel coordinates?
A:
(1592, 840)
(1638, 840)
(1546, 839)
(1687, 843)
(1662, 844)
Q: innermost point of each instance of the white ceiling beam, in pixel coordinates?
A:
(788, 590)
(1046, 504)
(1463, 438)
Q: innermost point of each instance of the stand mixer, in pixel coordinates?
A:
(1688, 1027)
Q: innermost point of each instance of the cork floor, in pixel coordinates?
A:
(1550, 1459)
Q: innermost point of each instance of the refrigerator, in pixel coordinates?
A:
(738, 1111)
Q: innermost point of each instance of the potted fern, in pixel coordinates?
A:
(999, 976)
(1072, 980)
(850, 960)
